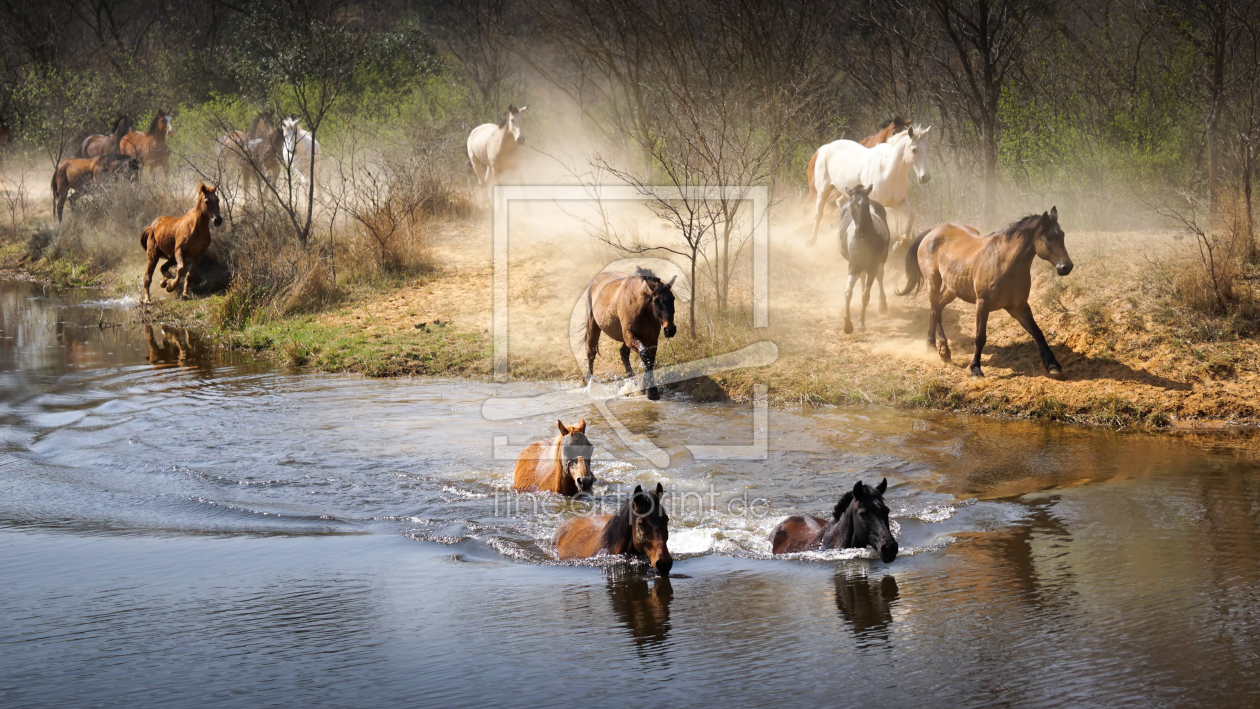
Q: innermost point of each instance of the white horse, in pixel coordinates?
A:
(299, 146)
(885, 167)
(494, 147)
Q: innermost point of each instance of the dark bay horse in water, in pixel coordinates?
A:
(633, 310)
(991, 271)
(864, 243)
(95, 145)
(640, 528)
(859, 520)
(894, 126)
(562, 466)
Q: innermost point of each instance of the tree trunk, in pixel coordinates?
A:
(692, 304)
(1248, 162)
(989, 136)
(1218, 88)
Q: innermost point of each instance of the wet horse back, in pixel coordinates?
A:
(580, 537)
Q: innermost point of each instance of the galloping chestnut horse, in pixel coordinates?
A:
(182, 241)
(991, 271)
(562, 466)
(631, 309)
(893, 127)
(640, 528)
(859, 520)
(80, 174)
(95, 145)
(150, 147)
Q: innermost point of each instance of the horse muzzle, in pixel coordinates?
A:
(1063, 268)
(671, 329)
(888, 551)
(218, 221)
(586, 483)
(664, 564)
(925, 178)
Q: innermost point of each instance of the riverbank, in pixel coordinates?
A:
(1130, 356)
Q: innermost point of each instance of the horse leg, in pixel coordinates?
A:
(625, 361)
(883, 299)
(148, 272)
(868, 281)
(187, 275)
(168, 275)
(180, 270)
(1024, 315)
(982, 331)
(647, 354)
(592, 345)
(943, 349)
(819, 204)
(848, 296)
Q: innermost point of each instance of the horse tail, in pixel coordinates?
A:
(914, 274)
(145, 236)
(809, 175)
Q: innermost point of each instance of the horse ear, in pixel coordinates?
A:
(882, 486)
(671, 281)
(659, 490)
(201, 187)
(1054, 213)
(563, 430)
(859, 490)
(522, 109)
(850, 190)
(513, 109)
(580, 428)
(910, 131)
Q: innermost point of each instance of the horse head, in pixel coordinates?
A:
(291, 125)
(575, 455)
(650, 528)
(860, 203)
(210, 196)
(663, 304)
(1050, 244)
(512, 122)
(860, 520)
(165, 124)
(5, 134)
(915, 153)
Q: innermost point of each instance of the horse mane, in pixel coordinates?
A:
(646, 274)
(618, 536)
(261, 121)
(843, 505)
(153, 124)
(1022, 224)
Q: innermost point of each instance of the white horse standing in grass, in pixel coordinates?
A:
(885, 168)
(495, 148)
(299, 147)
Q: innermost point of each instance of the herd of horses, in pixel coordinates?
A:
(866, 179)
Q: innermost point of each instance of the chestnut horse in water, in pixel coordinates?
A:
(640, 528)
(990, 271)
(893, 127)
(182, 241)
(95, 145)
(80, 174)
(631, 310)
(858, 521)
(150, 147)
(495, 148)
(562, 466)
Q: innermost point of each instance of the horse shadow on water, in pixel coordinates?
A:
(1020, 356)
(642, 608)
(866, 605)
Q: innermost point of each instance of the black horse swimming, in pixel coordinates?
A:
(859, 520)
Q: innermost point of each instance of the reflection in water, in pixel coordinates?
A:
(866, 606)
(173, 345)
(642, 607)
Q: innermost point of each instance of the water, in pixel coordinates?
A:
(182, 528)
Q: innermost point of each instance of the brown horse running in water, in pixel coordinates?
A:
(182, 241)
(640, 528)
(80, 175)
(633, 310)
(990, 271)
(562, 466)
(859, 520)
(95, 145)
(149, 147)
(893, 127)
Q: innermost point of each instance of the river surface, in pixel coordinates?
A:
(187, 528)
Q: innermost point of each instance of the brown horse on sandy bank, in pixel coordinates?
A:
(80, 175)
(182, 241)
(640, 528)
(859, 520)
(149, 147)
(633, 310)
(95, 145)
(562, 466)
(990, 271)
(893, 127)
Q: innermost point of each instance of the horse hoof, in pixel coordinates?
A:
(883, 308)
(946, 356)
(654, 394)
(1055, 373)
(848, 328)
(976, 373)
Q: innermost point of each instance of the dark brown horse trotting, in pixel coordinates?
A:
(864, 241)
(640, 528)
(149, 147)
(893, 127)
(182, 241)
(859, 520)
(990, 271)
(81, 174)
(95, 145)
(633, 310)
(562, 466)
